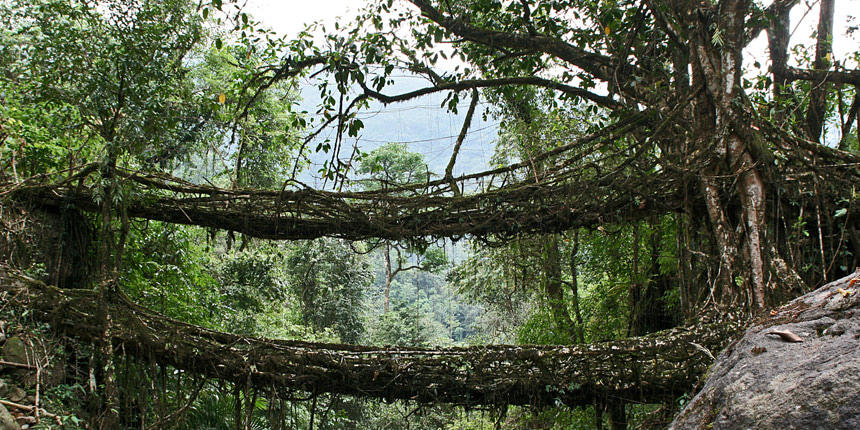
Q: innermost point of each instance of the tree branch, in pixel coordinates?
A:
(599, 66)
(852, 115)
(527, 18)
(449, 170)
(777, 9)
(469, 84)
(833, 76)
(288, 69)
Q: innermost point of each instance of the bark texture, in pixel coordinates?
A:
(552, 206)
(656, 368)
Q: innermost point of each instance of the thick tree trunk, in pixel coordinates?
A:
(753, 202)
(731, 126)
(718, 66)
(724, 237)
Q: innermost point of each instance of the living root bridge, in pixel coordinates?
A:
(425, 210)
(657, 368)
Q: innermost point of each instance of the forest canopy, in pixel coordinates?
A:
(648, 169)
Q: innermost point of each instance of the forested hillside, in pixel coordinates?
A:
(198, 233)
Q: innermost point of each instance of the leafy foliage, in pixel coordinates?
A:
(248, 282)
(166, 270)
(393, 165)
(132, 93)
(329, 280)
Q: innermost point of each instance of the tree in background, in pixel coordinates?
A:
(133, 84)
(130, 98)
(252, 138)
(330, 281)
(392, 166)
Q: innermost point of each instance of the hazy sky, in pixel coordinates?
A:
(288, 17)
(421, 123)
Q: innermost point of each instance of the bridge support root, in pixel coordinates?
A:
(651, 369)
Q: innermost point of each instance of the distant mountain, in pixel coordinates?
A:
(422, 123)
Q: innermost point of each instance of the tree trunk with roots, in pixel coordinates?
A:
(727, 137)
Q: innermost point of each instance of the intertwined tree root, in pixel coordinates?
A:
(655, 368)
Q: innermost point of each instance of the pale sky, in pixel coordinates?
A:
(288, 17)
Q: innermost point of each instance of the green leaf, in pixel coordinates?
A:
(218, 43)
(841, 212)
(717, 38)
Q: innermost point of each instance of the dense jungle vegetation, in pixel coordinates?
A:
(649, 173)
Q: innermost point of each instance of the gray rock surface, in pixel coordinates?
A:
(16, 394)
(7, 421)
(765, 382)
(15, 351)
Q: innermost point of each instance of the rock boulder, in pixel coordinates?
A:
(7, 421)
(767, 380)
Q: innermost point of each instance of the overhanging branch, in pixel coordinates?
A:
(469, 84)
(599, 66)
(834, 76)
